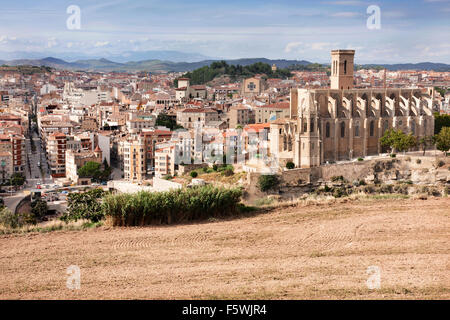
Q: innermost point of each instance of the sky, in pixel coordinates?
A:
(409, 30)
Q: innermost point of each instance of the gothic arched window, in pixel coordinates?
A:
(357, 129)
(372, 128)
(327, 130)
(342, 129)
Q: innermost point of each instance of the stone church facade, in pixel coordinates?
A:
(343, 123)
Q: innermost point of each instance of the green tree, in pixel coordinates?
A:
(397, 140)
(106, 173)
(267, 182)
(424, 142)
(443, 140)
(85, 205)
(194, 174)
(16, 180)
(39, 208)
(290, 165)
(440, 121)
(164, 120)
(442, 91)
(90, 170)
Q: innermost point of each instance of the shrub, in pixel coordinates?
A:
(393, 155)
(369, 189)
(264, 202)
(228, 172)
(290, 165)
(433, 191)
(205, 169)
(9, 219)
(408, 159)
(401, 188)
(167, 177)
(194, 174)
(385, 188)
(86, 205)
(358, 183)
(418, 161)
(447, 190)
(27, 218)
(439, 163)
(173, 206)
(39, 208)
(360, 159)
(267, 182)
(215, 167)
(339, 192)
(337, 179)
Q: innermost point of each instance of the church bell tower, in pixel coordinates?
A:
(342, 69)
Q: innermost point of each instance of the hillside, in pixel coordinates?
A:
(309, 251)
(221, 68)
(155, 65)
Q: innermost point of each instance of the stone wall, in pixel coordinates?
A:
(417, 169)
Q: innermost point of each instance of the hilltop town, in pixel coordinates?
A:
(298, 164)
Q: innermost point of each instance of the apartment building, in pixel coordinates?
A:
(189, 116)
(134, 159)
(77, 159)
(136, 123)
(56, 149)
(165, 159)
(151, 138)
(271, 112)
(239, 115)
(15, 145)
(6, 166)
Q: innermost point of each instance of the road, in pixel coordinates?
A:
(34, 174)
(12, 201)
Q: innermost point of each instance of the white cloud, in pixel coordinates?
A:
(101, 43)
(292, 45)
(348, 14)
(52, 42)
(6, 39)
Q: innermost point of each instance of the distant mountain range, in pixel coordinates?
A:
(156, 65)
(123, 57)
(145, 65)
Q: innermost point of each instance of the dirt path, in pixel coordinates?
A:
(300, 252)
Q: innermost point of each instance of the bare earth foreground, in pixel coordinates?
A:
(304, 252)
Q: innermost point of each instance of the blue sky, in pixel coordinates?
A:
(411, 31)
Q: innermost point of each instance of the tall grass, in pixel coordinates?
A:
(144, 208)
